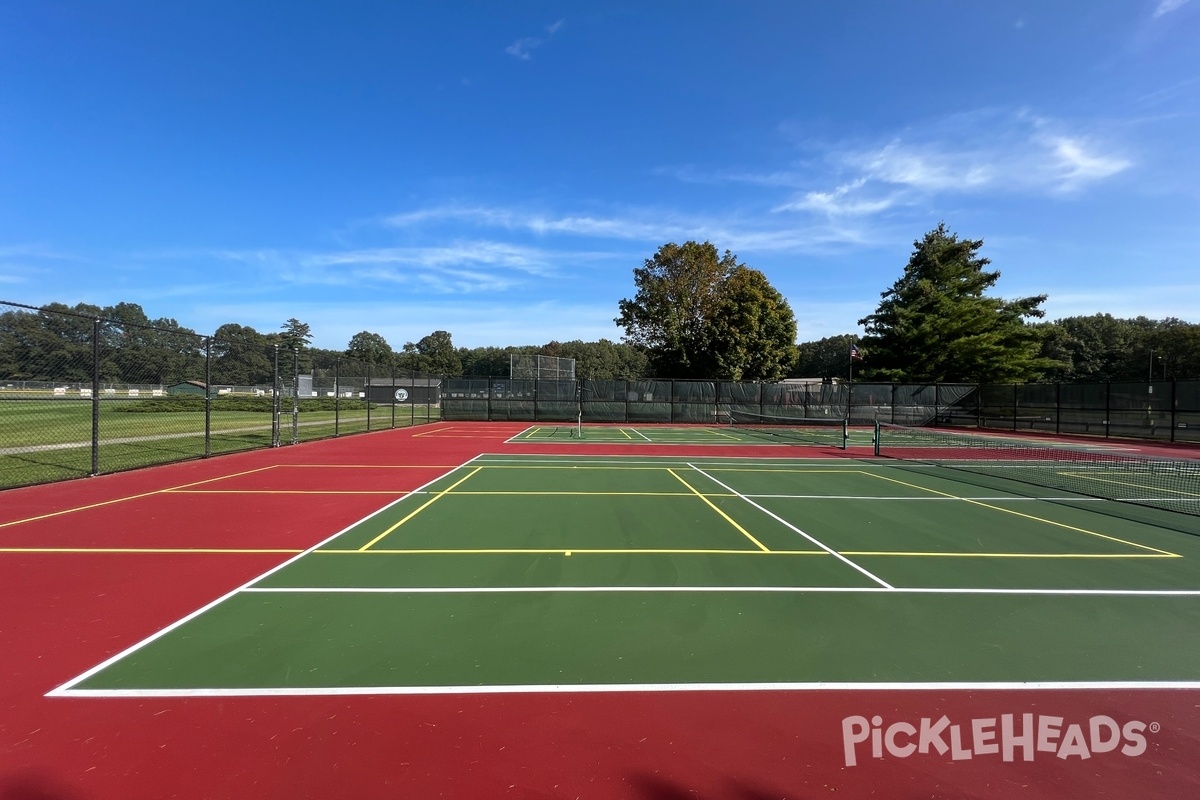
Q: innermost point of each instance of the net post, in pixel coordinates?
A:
(875, 437)
(845, 434)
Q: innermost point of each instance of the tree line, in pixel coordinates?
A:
(696, 314)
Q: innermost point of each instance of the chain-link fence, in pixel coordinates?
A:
(1165, 411)
(84, 396)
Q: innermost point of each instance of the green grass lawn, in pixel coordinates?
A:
(50, 440)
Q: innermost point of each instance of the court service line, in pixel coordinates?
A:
(783, 521)
(64, 690)
(639, 433)
(539, 551)
(526, 551)
(140, 496)
(724, 516)
(718, 590)
(1029, 516)
(436, 496)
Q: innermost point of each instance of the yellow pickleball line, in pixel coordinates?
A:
(726, 517)
(437, 496)
(132, 497)
(1027, 516)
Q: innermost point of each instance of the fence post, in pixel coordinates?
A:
(392, 394)
(1014, 405)
(275, 402)
(207, 396)
(1107, 407)
(295, 395)
(1057, 409)
(1174, 402)
(96, 396)
(367, 395)
(337, 395)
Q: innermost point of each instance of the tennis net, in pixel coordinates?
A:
(804, 430)
(1169, 484)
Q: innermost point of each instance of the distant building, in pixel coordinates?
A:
(188, 387)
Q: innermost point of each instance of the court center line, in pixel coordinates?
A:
(780, 519)
(724, 516)
(1028, 516)
(639, 433)
(437, 496)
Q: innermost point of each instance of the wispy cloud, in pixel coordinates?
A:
(645, 226)
(1167, 6)
(463, 267)
(1138, 299)
(986, 151)
(472, 323)
(522, 49)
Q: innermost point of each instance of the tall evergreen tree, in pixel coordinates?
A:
(936, 324)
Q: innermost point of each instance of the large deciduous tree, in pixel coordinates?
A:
(699, 314)
(434, 354)
(370, 347)
(752, 336)
(937, 324)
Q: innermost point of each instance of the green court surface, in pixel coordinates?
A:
(556, 572)
(826, 433)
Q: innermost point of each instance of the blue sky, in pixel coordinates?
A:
(498, 170)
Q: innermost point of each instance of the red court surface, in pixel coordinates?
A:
(72, 594)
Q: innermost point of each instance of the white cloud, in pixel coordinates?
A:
(1138, 299)
(1014, 152)
(522, 49)
(841, 201)
(462, 267)
(1167, 6)
(1078, 165)
(471, 323)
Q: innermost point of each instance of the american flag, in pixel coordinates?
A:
(854, 352)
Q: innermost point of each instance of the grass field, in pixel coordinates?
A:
(49, 440)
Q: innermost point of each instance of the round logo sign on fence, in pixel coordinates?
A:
(401, 395)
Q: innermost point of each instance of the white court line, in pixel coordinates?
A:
(60, 690)
(717, 589)
(607, 688)
(780, 519)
